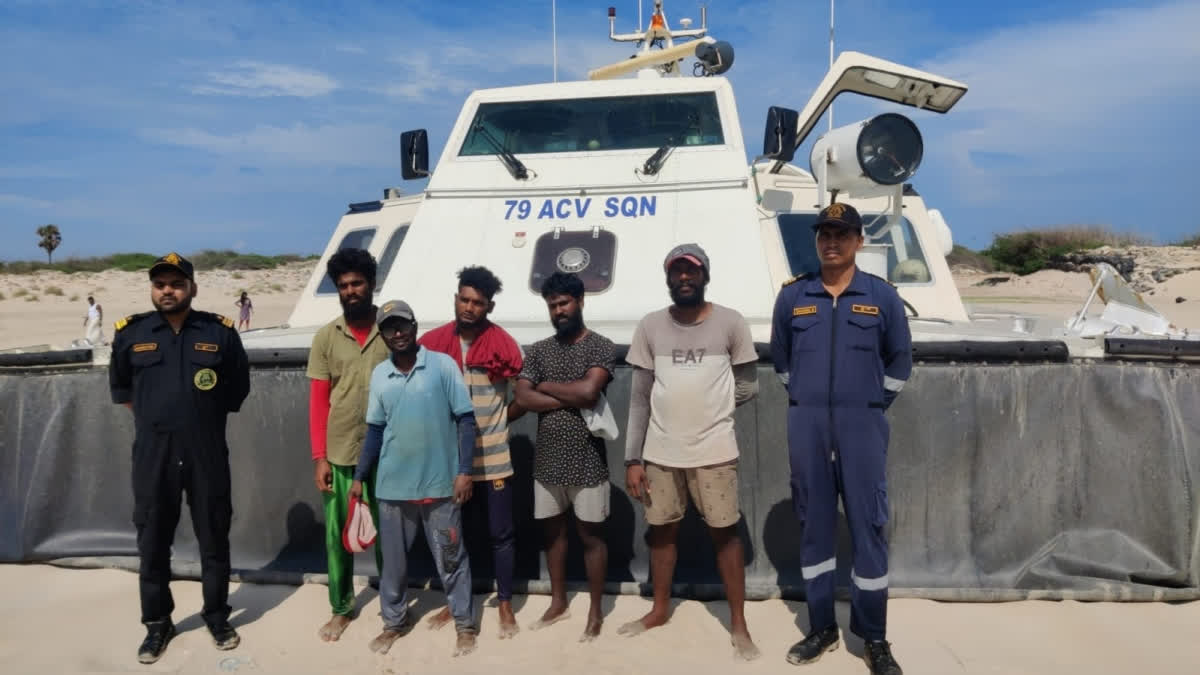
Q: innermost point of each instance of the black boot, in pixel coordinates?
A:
(879, 658)
(224, 636)
(812, 647)
(158, 634)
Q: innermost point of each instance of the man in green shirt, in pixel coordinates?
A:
(343, 354)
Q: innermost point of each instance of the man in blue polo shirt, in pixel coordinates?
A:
(421, 433)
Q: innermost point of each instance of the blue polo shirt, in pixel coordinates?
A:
(419, 458)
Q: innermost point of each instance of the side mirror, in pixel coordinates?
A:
(414, 151)
(779, 139)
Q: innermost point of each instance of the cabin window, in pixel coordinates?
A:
(389, 255)
(589, 255)
(590, 124)
(905, 258)
(354, 239)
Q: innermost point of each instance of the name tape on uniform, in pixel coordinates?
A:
(145, 347)
(206, 347)
(801, 311)
(865, 309)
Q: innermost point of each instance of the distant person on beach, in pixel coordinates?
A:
(840, 343)
(694, 362)
(490, 359)
(181, 372)
(245, 308)
(344, 352)
(420, 446)
(93, 322)
(563, 374)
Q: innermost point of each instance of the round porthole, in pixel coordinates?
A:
(573, 260)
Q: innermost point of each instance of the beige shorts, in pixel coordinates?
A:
(714, 491)
(590, 503)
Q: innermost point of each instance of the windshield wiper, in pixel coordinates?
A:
(514, 165)
(655, 163)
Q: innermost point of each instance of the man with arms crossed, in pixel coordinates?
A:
(695, 361)
(421, 436)
(343, 354)
(563, 374)
(489, 359)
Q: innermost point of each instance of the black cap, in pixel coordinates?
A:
(174, 261)
(840, 215)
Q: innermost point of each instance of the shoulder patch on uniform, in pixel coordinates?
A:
(120, 324)
(794, 279)
(865, 309)
(225, 321)
(802, 311)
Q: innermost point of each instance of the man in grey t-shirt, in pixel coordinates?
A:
(694, 362)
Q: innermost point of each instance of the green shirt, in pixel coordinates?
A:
(337, 357)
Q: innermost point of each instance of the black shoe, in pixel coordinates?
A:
(812, 647)
(879, 658)
(158, 634)
(224, 636)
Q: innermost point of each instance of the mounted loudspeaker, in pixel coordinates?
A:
(714, 58)
(869, 157)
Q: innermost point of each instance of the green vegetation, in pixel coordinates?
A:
(277, 288)
(20, 292)
(1193, 240)
(961, 255)
(73, 298)
(49, 238)
(1029, 251)
(31, 298)
(53, 290)
(2, 296)
(133, 262)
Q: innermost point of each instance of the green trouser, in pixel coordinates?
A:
(341, 561)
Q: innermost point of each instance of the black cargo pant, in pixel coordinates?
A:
(167, 464)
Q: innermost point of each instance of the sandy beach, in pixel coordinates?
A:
(62, 620)
(48, 308)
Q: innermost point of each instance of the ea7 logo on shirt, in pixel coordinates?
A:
(681, 357)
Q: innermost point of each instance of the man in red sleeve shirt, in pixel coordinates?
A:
(343, 354)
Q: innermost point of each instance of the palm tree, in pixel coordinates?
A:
(51, 238)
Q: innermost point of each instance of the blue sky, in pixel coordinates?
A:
(145, 125)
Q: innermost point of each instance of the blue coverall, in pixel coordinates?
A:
(844, 362)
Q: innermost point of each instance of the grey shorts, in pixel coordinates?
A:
(590, 503)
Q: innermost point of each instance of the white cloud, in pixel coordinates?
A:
(1063, 95)
(335, 145)
(350, 49)
(255, 79)
(23, 202)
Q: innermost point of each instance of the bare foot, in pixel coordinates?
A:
(553, 615)
(743, 647)
(593, 629)
(653, 619)
(439, 620)
(333, 629)
(465, 643)
(508, 620)
(383, 642)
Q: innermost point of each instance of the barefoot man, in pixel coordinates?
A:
(421, 435)
(490, 359)
(563, 374)
(343, 354)
(694, 362)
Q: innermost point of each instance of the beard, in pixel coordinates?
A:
(696, 298)
(356, 311)
(569, 325)
(180, 306)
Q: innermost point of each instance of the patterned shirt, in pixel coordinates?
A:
(492, 458)
(566, 453)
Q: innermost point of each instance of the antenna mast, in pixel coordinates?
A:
(831, 58)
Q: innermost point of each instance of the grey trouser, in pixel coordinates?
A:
(442, 522)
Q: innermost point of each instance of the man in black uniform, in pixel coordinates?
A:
(180, 371)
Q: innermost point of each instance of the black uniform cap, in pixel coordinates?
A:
(174, 261)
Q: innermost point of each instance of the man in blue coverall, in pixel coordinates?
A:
(840, 343)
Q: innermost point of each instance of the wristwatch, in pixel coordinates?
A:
(631, 462)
